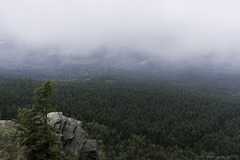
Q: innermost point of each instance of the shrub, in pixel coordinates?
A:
(10, 149)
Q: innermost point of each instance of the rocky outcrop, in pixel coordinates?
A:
(73, 136)
(2, 122)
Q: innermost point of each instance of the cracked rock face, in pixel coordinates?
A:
(73, 136)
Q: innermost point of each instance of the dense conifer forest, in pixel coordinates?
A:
(143, 117)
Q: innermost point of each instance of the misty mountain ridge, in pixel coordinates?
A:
(21, 60)
(15, 53)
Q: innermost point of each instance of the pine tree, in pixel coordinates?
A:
(34, 132)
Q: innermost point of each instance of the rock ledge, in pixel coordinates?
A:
(73, 136)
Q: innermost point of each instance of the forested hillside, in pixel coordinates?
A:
(146, 118)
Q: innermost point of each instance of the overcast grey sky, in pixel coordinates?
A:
(174, 29)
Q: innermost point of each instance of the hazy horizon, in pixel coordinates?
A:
(184, 31)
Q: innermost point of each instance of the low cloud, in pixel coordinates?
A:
(171, 29)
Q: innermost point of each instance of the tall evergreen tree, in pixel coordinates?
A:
(34, 131)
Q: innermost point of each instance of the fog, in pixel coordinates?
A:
(189, 31)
